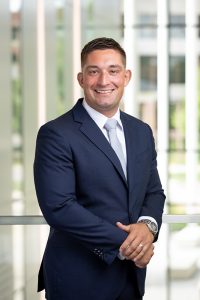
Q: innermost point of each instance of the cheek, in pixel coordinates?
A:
(120, 84)
(119, 81)
(88, 83)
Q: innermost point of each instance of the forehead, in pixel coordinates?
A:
(104, 57)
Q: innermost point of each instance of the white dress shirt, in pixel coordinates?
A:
(100, 120)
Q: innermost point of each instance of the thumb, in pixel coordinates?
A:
(123, 227)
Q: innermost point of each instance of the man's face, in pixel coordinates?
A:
(103, 79)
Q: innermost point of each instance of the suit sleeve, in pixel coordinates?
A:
(154, 197)
(55, 183)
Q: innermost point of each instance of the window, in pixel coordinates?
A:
(177, 69)
(148, 71)
(177, 26)
(147, 26)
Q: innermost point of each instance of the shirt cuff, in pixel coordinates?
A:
(120, 256)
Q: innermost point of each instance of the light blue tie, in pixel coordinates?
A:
(110, 126)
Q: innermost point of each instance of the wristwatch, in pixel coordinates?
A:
(153, 227)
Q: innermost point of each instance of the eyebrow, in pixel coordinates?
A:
(97, 67)
(115, 66)
(92, 67)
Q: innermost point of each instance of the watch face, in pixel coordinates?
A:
(153, 226)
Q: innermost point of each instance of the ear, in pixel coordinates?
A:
(128, 76)
(80, 78)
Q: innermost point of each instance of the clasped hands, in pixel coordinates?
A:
(138, 246)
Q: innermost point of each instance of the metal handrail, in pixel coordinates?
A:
(39, 220)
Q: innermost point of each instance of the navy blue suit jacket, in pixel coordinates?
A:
(82, 193)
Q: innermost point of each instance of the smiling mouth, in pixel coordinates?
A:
(104, 91)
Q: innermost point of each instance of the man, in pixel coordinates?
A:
(98, 188)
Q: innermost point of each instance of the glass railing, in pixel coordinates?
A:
(173, 273)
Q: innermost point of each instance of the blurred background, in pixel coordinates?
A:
(40, 44)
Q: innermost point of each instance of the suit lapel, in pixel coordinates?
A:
(94, 134)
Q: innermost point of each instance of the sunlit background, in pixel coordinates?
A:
(40, 44)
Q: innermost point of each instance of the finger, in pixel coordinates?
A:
(139, 256)
(143, 262)
(145, 251)
(145, 255)
(132, 249)
(130, 241)
(123, 227)
(133, 252)
(128, 245)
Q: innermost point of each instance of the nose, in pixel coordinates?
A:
(103, 78)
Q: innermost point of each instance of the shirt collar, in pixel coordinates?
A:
(99, 118)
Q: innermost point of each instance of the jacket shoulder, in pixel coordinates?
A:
(135, 121)
(59, 124)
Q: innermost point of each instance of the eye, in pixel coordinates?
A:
(93, 72)
(114, 71)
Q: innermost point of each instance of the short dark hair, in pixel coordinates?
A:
(102, 43)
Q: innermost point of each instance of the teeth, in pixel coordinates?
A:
(104, 91)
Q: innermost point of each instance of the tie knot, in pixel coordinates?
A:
(110, 124)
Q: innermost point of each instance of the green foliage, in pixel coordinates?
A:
(176, 209)
(177, 125)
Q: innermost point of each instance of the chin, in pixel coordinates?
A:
(106, 102)
(106, 105)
